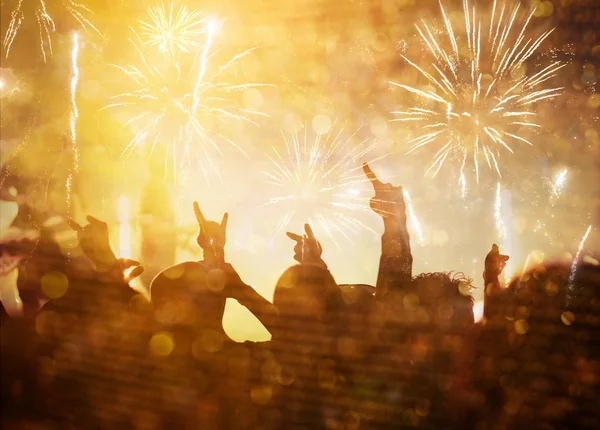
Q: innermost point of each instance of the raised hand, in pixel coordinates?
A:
(212, 236)
(307, 248)
(130, 268)
(494, 264)
(95, 243)
(388, 201)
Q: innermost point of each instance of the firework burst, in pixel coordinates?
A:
(173, 31)
(478, 99)
(176, 99)
(26, 11)
(321, 181)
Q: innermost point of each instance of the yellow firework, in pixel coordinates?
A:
(36, 11)
(73, 117)
(477, 98)
(171, 31)
(321, 181)
(174, 98)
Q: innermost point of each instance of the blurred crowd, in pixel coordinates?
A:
(87, 351)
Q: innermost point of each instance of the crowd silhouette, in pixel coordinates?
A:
(90, 352)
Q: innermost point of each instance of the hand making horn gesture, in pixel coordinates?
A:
(212, 236)
(388, 201)
(95, 244)
(307, 248)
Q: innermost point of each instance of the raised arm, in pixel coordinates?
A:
(247, 296)
(395, 263)
(212, 239)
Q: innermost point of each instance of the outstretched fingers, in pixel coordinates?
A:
(126, 263)
(294, 236)
(93, 220)
(78, 228)
(310, 235)
(135, 273)
(200, 216)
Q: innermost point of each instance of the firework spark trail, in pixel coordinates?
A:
(45, 23)
(500, 224)
(173, 95)
(413, 216)
(576, 261)
(172, 32)
(526, 266)
(462, 180)
(476, 103)
(559, 183)
(318, 183)
(556, 188)
(509, 240)
(73, 117)
(500, 227)
(202, 72)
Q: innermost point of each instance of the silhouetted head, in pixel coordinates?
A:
(446, 297)
(189, 295)
(556, 288)
(304, 294)
(215, 235)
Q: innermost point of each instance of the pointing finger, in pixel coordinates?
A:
(224, 220)
(93, 220)
(294, 236)
(371, 176)
(135, 272)
(310, 235)
(75, 226)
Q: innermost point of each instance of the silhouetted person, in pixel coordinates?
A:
(189, 301)
(493, 290)
(303, 378)
(494, 264)
(304, 345)
(200, 284)
(91, 330)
